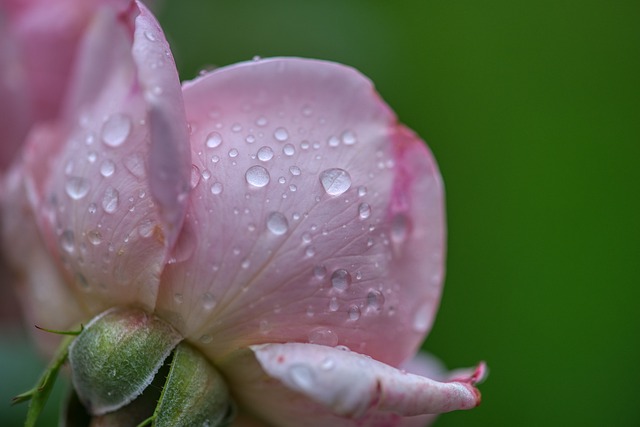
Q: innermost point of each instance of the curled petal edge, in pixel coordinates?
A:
(352, 385)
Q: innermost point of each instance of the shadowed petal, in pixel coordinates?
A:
(90, 173)
(314, 217)
(318, 386)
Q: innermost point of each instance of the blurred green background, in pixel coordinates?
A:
(533, 112)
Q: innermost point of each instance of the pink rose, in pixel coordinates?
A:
(273, 212)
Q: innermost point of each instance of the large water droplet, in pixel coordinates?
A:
(302, 376)
(422, 319)
(277, 223)
(213, 140)
(265, 153)
(77, 187)
(107, 168)
(341, 279)
(257, 176)
(281, 134)
(364, 211)
(110, 200)
(319, 272)
(94, 237)
(216, 188)
(289, 150)
(323, 336)
(335, 181)
(116, 130)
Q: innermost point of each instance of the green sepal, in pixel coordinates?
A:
(117, 356)
(194, 394)
(39, 394)
(57, 332)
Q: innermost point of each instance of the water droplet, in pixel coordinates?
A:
(110, 200)
(245, 264)
(206, 339)
(150, 36)
(208, 301)
(94, 237)
(375, 300)
(362, 191)
(348, 138)
(92, 208)
(107, 168)
(282, 180)
(319, 272)
(304, 145)
(265, 153)
(302, 377)
(233, 153)
(333, 304)
(399, 228)
(177, 297)
(92, 157)
(216, 188)
(364, 211)
(213, 140)
(333, 141)
(262, 121)
(116, 130)
(277, 223)
(257, 176)
(293, 188)
(281, 134)
(206, 174)
(422, 319)
(67, 241)
(146, 228)
(77, 187)
(323, 336)
(215, 159)
(250, 139)
(335, 181)
(307, 111)
(195, 177)
(340, 279)
(310, 251)
(289, 150)
(327, 363)
(237, 127)
(354, 312)
(295, 170)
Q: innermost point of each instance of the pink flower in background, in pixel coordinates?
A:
(274, 212)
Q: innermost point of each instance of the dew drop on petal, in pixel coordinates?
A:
(206, 339)
(208, 301)
(67, 241)
(375, 300)
(319, 272)
(302, 377)
(328, 363)
(277, 223)
(354, 312)
(340, 279)
(216, 188)
(257, 176)
(94, 237)
(399, 228)
(265, 153)
(177, 297)
(323, 336)
(233, 153)
(107, 168)
(116, 130)
(261, 121)
(295, 170)
(110, 200)
(362, 191)
(422, 319)
(333, 141)
(213, 140)
(281, 134)
(364, 211)
(77, 187)
(335, 181)
(348, 138)
(289, 150)
(334, 305)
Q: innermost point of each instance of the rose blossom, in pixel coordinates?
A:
(274, 213)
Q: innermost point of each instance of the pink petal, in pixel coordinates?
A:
(90, 172)
(169, 156)
(319, 386)
(344, 243)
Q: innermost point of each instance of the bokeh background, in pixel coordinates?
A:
(532, 109)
